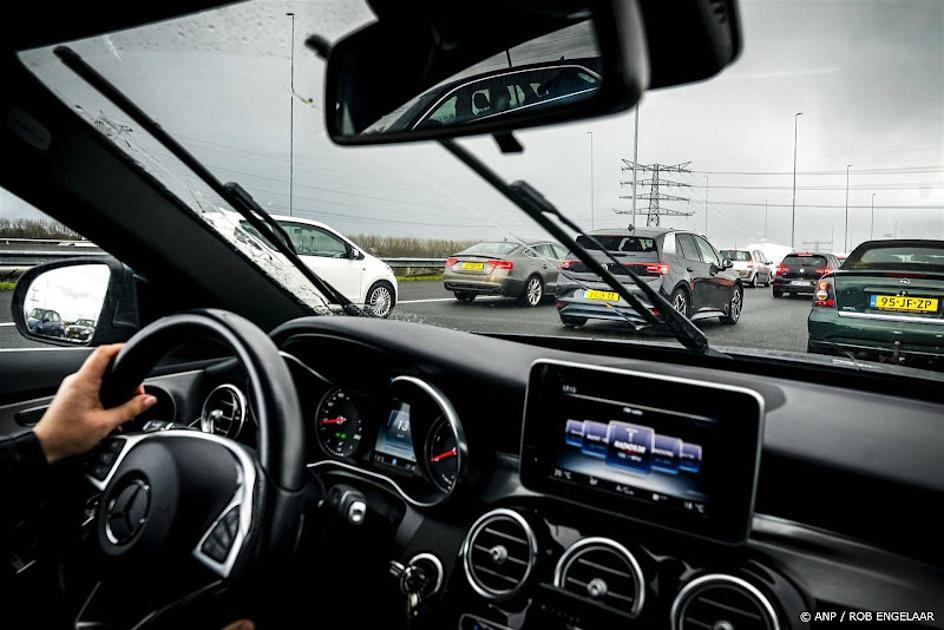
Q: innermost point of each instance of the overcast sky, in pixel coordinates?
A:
(868, 75)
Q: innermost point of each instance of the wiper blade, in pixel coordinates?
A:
(233, 193)
(541, 210)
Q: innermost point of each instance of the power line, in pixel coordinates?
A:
(655, 211)
(934, 168)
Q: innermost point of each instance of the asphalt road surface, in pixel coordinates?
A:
(765, 322)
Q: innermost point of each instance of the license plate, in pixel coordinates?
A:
(903, 303)
(605, 296)
(802, 283)
(476, 266)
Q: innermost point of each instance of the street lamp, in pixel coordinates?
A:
(796, 118)
(590, 133)
(845, 236)
(872, 228)
(706, 205)
(291, 124)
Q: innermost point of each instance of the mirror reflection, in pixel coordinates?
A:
(556, 70)
(65, 303)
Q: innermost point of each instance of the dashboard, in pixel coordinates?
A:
(535, 488)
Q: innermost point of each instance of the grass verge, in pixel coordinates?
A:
(426, 278)
(8, 286)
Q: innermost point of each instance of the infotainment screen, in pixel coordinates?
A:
(671, 452)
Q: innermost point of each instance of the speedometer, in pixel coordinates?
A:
(442, 455)
(339, 426)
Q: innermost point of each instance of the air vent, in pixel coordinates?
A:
(224, 411)
(499, 553)
(722, 601)
(603, 570)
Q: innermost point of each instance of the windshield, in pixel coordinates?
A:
(879, 256)
(712, 177)
(737, 255)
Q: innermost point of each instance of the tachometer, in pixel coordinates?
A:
(339, 426)
(442, 455)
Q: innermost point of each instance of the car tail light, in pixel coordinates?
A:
(822, 270)
(653, 269)
(500, 264)
(780, 270)
(451, 261)
(825, 293)
(567, 263)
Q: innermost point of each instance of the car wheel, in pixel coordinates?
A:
(464, 297)
(734, 307)
(767, 281)
(573, 322)
(680, 302)
(533, 292)
(778, 294)
(753, 283)
(380, 299)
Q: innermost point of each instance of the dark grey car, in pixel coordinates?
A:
(524, 271)
(681, 265)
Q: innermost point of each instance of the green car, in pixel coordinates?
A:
(885, 302)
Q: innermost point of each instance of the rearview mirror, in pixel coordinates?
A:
(76, 302)
(485, 69)
(441, 70)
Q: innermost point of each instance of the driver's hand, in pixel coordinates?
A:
(76, 420)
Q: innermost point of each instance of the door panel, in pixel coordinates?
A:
(329, 257)
(688, 251)
(718, 284)
(549, 265)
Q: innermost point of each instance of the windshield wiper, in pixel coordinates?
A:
(529, 200)
(233, 193)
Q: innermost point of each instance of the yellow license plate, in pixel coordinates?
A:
(477, 266)
(605, 296)
(904, 303)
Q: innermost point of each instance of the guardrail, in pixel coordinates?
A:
(15, 261)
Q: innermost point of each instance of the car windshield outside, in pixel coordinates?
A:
(617, 243)
(885, 257)
(785, 151)
(737, 255)
(490, 249)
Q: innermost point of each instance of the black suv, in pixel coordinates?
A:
(682, 265)
(799, 272)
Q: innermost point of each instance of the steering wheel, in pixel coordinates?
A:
(182, 509)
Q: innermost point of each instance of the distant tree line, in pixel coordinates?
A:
(409, 247)
(35, 228)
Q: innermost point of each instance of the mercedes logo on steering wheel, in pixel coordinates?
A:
(127, 512)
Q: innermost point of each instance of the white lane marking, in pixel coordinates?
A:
(7, 324)
(426, 300)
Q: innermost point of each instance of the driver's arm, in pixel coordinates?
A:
(74, 422)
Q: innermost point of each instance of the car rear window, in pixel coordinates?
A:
(619, 243)
(804, 261)
(898, 257)
(490, 249)
(736, 254)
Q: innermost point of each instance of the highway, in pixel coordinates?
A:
(765, 322)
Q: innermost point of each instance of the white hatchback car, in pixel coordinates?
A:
(360, 277)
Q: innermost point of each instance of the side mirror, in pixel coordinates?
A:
(727, 263)
(355, 254)
(77, 302)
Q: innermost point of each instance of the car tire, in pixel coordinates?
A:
(767, 281)
(753, 283)
(533, 292)
(778, 293)
(573, 322)
(380, 299)
(681, 302)
(464, 297)
(734, 306)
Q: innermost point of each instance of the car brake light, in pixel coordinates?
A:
(780, 270)
(500, 264)
(660, 269)
(822, 270)
(750, 265)
(567, 263)
(451, 261)
(825, 294)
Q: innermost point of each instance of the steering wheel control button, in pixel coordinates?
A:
(99, 463)
(127, 512)
(220, 540)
